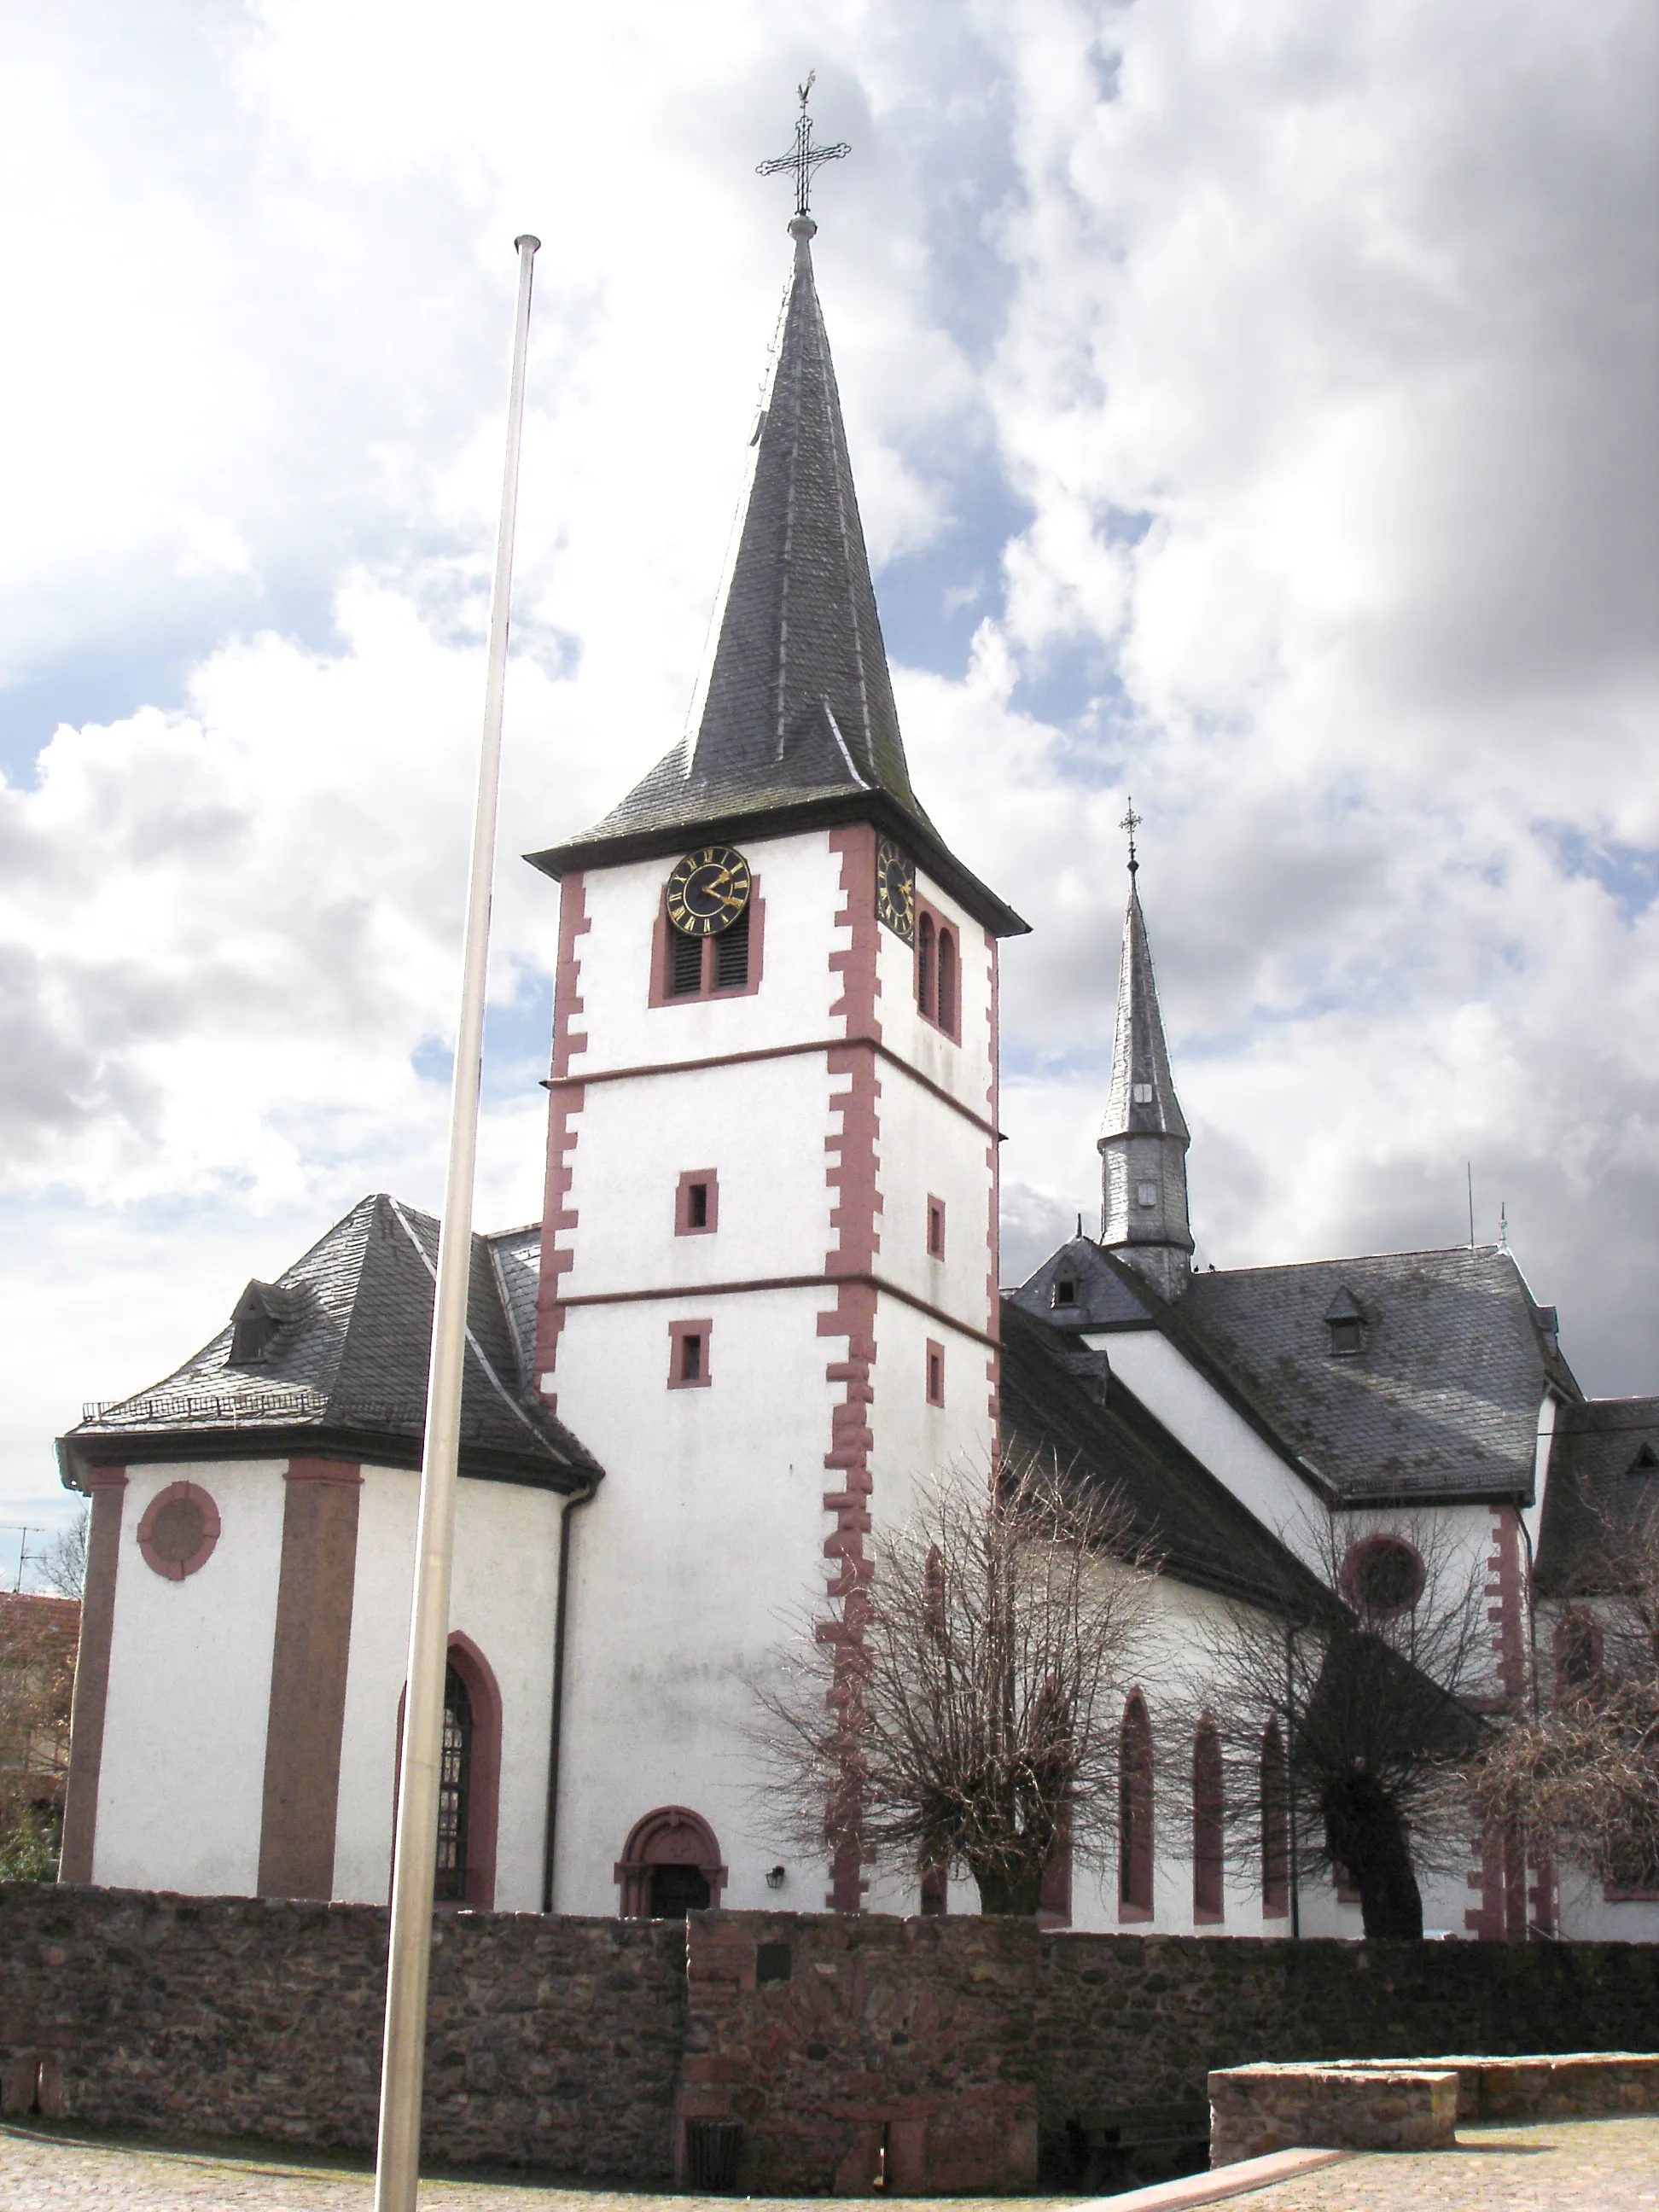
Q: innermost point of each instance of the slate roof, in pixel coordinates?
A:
(1058, 1396)
(1604, 1478)
(1140, 1058)
(346, 1369)
(797, 722)
(1441, 1400)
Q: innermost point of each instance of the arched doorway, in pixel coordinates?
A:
(670, 1866)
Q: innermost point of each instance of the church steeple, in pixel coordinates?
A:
(797, 691)
(795, 721)
(1144, 1138)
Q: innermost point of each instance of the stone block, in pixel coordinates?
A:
(1255, 2110)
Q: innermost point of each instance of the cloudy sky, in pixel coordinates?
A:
(1253, 410)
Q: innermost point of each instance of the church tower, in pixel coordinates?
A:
(1142, 1138)
(768, 1270)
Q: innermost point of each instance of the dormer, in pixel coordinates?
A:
(256, 1316)
(1345, 1320)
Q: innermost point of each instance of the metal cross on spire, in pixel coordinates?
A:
(804, 156)
(1132, 822)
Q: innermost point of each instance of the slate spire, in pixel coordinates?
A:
(794, 723)
(799, 673)
(1143, 1138)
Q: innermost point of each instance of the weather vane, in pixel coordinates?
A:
(804, 156)
(1132, 822)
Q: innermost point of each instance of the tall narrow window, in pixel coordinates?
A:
(1135, 1812)
(947, 981)
(927, 966)
(454, 1788)
(936, 1228)
(1275, 1826)
(1209, 1898)
(690, 1357)
(935, 1373)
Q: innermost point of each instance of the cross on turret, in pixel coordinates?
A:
(804, 157)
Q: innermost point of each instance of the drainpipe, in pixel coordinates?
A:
(1289, 1779)
(578, 1498)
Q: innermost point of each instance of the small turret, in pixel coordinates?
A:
(1143, 1137)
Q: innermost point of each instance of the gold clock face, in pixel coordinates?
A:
(708, 890)
(896, 889)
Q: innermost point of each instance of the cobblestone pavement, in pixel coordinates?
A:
(1564, 2166)
(1578, 2165)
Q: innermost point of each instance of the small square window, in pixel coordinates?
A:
(935, 1373)
(688, 1355)
(697, 1203)
(936, 1228)
(1146, 1193)
(1142, 1094)
(1065, 1291)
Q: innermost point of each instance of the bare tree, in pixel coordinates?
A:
(62, 1565)
(965, 1713)
(1580, 1778)
(1345, 1713)
(37, 1681)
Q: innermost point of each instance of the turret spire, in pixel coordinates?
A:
(1143, 1138)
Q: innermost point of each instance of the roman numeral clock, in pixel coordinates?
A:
(708, 890)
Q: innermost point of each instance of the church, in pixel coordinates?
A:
(763, 1302)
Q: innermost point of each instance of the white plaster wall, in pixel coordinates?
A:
(927, 1151)
(1588, 1916)
(708, 1530)
(1201, 1418)
(503, 1595)
(761, 1125)
(181, 1789)
(799, 880)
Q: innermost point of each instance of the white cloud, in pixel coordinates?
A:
(1318, 344)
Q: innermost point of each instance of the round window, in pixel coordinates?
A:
(1383, 1575)
(179, 1530)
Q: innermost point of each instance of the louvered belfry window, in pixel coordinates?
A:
(732, 955)
(684, 966)
(454, 1780)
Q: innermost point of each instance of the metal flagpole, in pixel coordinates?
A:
(397, 2171)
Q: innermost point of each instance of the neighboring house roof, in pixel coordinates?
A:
(1438, 1398)
(1061, 1397)
(31, 1612)
(333, 1357)
(1603, 1482)
(798, 725)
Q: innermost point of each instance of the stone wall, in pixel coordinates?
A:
(553, 2043)
(571, 2044)
(814, 2029)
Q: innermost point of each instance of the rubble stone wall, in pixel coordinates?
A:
(581, 2045)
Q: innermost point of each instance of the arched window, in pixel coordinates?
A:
(468, 1778)
(1578, 1654)
(670, 1866)
(1135, 1812)
(927, 965)
(1209, 1898)
(454, 1789)
(1275, 1826)
(947, 981)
